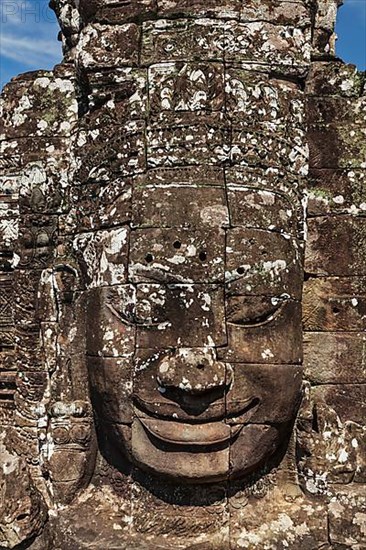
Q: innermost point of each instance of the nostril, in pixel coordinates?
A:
(200, 366)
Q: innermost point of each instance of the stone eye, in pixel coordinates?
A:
(149, 258)
(177, 244)
(252, 310)
(203, 256)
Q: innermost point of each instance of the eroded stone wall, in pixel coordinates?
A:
(160, 205)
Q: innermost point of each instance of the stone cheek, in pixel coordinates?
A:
(153, 199)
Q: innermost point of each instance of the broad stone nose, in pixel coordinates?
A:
(193, 371)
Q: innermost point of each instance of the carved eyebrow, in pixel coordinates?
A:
(121, 318)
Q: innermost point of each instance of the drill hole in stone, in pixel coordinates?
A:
(149, 258)
(203, 256)
(200, 366)
(177, 244)
(240, 270)
(336, 310)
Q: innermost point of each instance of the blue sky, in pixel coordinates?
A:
(28, 36)
(351, 31)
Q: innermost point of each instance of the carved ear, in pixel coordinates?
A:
(66, 279)
(58, 284)
(70, 448)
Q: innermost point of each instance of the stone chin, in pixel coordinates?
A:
(196, 453)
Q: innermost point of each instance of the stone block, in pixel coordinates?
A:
(256, 97)
(186, 206)
(333, 79)
(36, 241)
(275, 179)
(335, 357)
(41, 105)
(191, 176)
(251, 446)
(183, 40)
(262, 42)
(273, 339)
(343, 110)
(187, 139)
(286, 12)
(337, 146)
(103, 256)
(42, 185)
(9, 225)
(276, 147)
(109, 152)
(204, 512)
(334, 191)
(111, 330)
(111, 388)
(102, 46)
(49, 149)
(331, 436)
(347, 400)
(116, 96)
(177, 255)
(334, 304)
(261, 209)
(249, 400)
(336, 246)
(347, 510)
(180, 315)
(262, 263)
(96, 206)
(27, 346)
(289, 523)
(116, 13)
(186, 87)
(229, 9)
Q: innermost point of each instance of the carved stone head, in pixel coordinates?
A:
(188, 230)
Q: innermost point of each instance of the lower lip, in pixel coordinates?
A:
(196, 435)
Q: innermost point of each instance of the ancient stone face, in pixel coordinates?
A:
(186, 356)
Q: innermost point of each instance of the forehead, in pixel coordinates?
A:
(193, 226)
(199, 225)
(207, 196)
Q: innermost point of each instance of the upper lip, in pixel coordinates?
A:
(176, 414)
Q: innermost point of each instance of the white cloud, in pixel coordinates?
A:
(29, 33)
